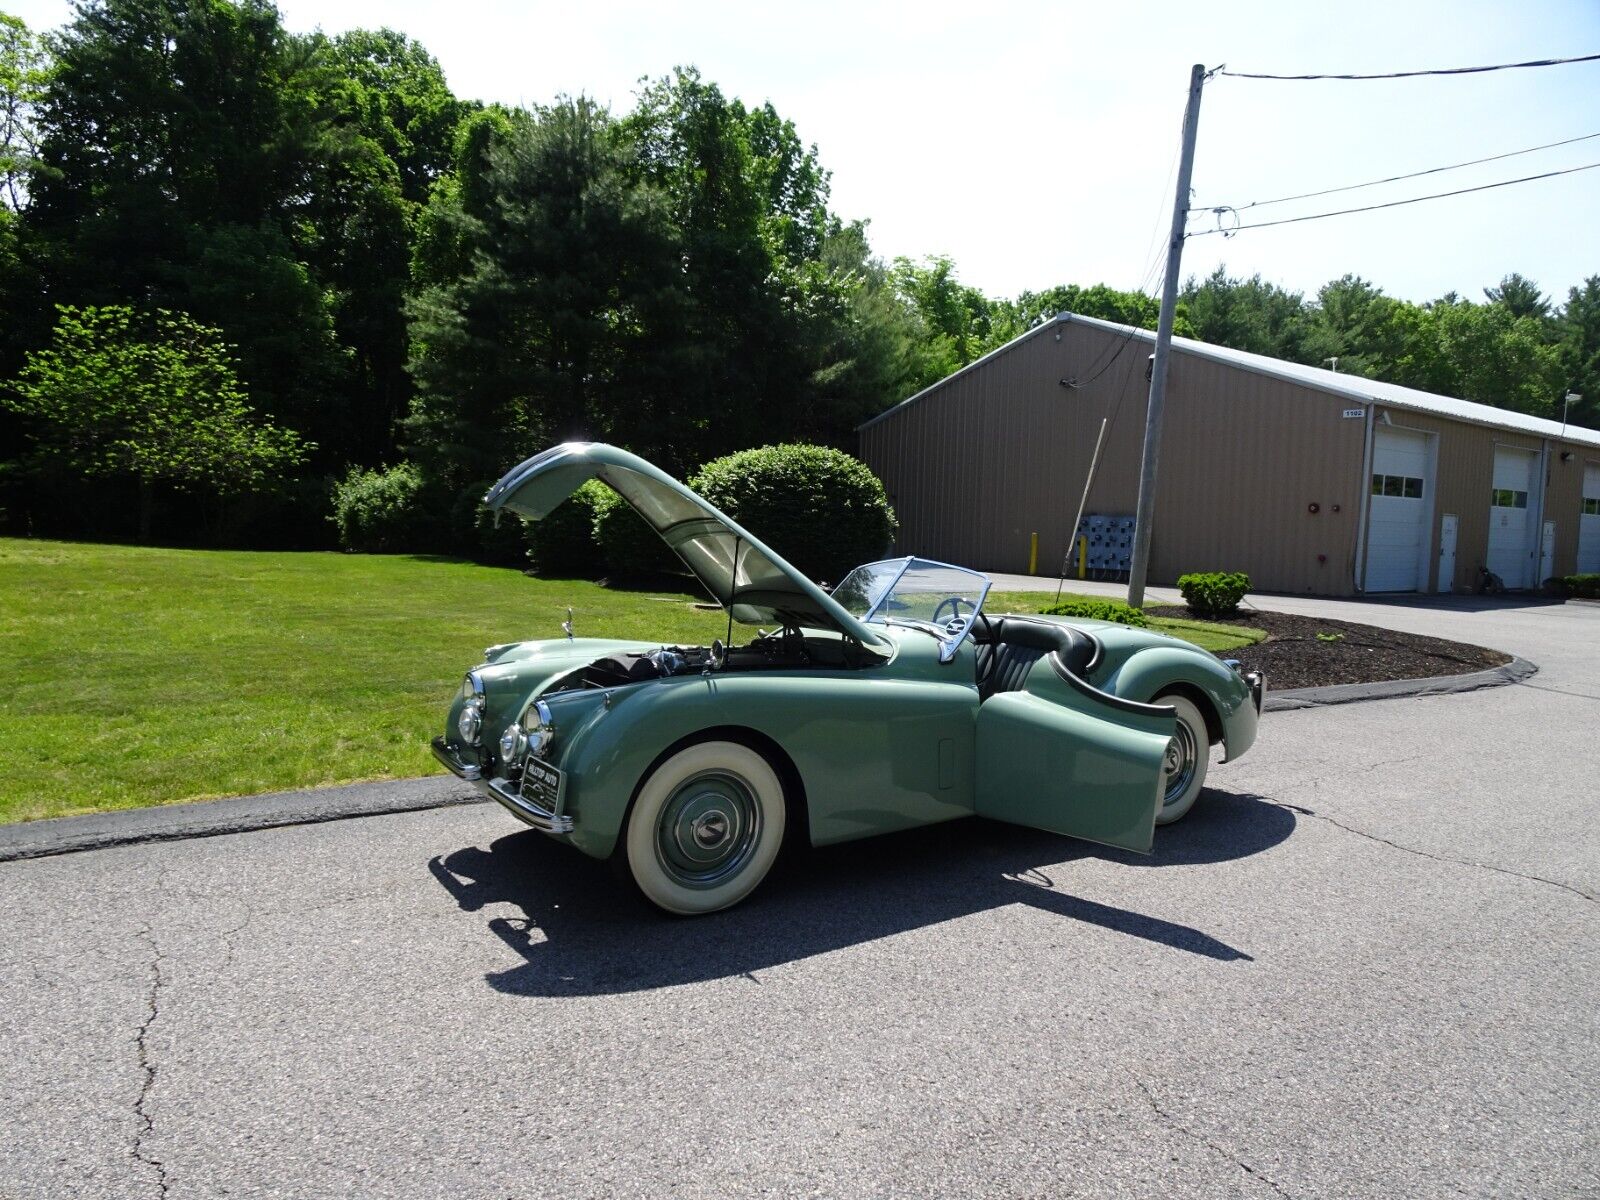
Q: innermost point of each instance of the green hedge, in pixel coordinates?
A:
(821, 509)
(390, 510)
(563, 546)
(1214, 593)
(629, 549)
(1099, 610)
(476, 534)
(1586, 587)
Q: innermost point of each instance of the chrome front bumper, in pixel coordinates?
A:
(503, 791)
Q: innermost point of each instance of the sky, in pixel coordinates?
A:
(1035, 144)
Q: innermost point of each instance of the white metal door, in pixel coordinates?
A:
(1397, 516)
(1589, 522)
(1547, 552)
(1511, 505)
(1447, 552)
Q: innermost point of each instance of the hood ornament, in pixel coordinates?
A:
(566, 626)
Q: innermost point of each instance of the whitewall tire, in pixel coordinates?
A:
(1187, 760)
(705, 828)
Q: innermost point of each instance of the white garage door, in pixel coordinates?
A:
(1589, 522)
(1397, 521)
(1510, 507)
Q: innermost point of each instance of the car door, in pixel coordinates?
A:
(1067, 758)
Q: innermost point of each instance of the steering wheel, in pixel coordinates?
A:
(954, 603)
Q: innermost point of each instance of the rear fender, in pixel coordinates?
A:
(1146, 674)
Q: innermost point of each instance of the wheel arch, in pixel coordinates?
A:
(797, 816)
(1197, 697)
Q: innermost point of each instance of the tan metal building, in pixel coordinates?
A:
(1308, 480)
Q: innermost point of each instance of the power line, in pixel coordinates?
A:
(1391, 204)
(1156, 253)
(1350, 187)
(1538, 62)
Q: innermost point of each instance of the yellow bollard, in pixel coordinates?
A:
(1033, 556)
(1083, 556)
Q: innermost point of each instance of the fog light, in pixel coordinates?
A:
(512, 742)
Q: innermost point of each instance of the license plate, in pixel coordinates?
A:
(541, 784)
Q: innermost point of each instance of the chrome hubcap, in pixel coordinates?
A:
(708, 829)
(1182, 754)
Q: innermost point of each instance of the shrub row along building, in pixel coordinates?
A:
(1310, 480)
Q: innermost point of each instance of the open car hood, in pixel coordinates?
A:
(738, 571)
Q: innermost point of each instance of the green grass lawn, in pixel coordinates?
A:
(1216, 638)
(135, 676)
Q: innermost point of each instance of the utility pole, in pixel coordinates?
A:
(1158, 372)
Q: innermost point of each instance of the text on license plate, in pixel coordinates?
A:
(541, 784)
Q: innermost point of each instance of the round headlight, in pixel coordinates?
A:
(542, 729)
(511, 744)
(470, 722)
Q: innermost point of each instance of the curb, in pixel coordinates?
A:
(1514, 671)
(242, 814)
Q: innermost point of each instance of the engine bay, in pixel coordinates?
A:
(784, 649)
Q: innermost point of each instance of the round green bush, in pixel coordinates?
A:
(563, 546)
(819, 508)
(1214, 593)
(629, 549)
(389, 510)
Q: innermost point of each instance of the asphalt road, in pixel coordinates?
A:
(1366, 965)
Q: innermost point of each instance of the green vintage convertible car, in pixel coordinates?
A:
(896, 700)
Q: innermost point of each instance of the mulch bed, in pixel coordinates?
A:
(1293, 656)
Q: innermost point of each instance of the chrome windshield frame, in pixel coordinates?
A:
(949, 640)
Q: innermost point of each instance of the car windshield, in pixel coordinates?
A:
(916, 591)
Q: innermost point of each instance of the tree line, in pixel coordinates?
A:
(238, 264)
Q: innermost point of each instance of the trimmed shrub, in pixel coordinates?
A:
(821, 509)
(629, 549)
(563, 546)
(1214, 593)
(1586, 587)
(502, 545)
(1099, 610)
(390, 510)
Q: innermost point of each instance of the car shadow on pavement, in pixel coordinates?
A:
(580, 930)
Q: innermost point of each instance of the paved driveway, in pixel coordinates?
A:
(1366, 965)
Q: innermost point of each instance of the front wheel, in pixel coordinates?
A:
(706, 828)
(1187, 759)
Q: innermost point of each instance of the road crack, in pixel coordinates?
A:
(1221, 1152)
(1444, 858)
(145, 1126)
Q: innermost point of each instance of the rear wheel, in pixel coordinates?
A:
(1187, 759)
(705, 828)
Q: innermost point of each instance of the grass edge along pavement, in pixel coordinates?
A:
(138, 676)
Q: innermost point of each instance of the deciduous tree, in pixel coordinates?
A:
(153, 396)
